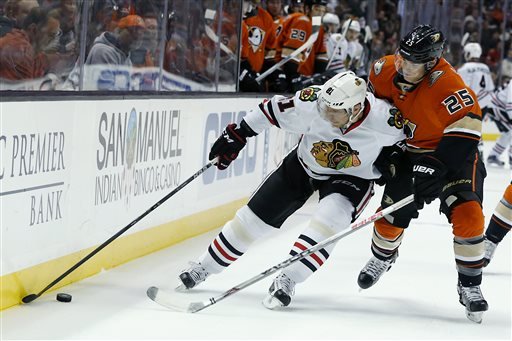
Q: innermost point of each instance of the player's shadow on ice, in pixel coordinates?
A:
(378, 307)
(496, 273)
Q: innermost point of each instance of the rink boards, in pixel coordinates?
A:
(74, 173)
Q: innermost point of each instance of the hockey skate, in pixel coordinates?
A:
(473, 300)
(490, 248)
(280, 292)
(192, 276)
(494, 161)
(373, 270)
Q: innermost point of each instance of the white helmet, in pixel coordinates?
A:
(330, 18)
(339, 96)
(354, 25)
(472, 50)
(332, 22)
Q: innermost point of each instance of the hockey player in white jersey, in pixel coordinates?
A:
(335, 43)
(354, 60)
(502, 116)
(344, 131)
(477, 76)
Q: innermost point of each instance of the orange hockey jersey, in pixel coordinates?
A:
(258, 38)
(297, 28)
(439, 108)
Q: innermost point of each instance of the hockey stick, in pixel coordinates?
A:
(209, 15)
(343, 36)
(31, 297)
(317, 22)
(167, 300)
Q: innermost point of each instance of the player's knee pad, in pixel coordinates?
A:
(334, 212)
(467, 220)
(449, 202)
(247, 226)
(508, 194)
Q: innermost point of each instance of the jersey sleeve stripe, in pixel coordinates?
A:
(269, 118)
(272, 115)
(466, 136)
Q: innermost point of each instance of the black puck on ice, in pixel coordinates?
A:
(64, 297)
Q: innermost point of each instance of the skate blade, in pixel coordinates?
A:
(474, 316)
(272, 303)
(181, 288)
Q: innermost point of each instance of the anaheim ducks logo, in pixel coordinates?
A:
(256, 36)
(434, 76)
(309, 94)
(377, 67)
(398, 121)
(435, 37)
(336, 154)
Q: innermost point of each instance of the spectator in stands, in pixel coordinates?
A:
(114, 47)
(15, 13)
(21, 51)
(66, 13)
(146, 54)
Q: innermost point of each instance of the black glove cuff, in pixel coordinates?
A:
(244, 130)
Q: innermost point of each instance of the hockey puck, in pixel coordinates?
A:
(64, 297)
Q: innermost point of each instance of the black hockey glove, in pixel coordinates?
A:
(428, 173)
(248, 82)
(229, 144)
(388, 162)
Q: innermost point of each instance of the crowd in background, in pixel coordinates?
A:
(59, 39)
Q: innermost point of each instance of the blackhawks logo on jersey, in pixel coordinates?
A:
(398, 121)
(309, 94)
(336, 154)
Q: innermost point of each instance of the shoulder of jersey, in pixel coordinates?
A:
(377, 105)
(444, 76)
(265, 14)
(307, 96)
(383, 65)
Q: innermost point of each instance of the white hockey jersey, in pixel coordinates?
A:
(323, 149)
(354, 54)
(336, 47)
(502, 102)
(478, 77)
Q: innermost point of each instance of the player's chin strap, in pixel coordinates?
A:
(167, 300)
(353, 118)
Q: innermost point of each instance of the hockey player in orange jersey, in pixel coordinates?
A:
(443, 120)
(258, 42)
(499, 225)
(297, 28)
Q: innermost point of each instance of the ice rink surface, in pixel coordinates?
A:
(416, 299)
